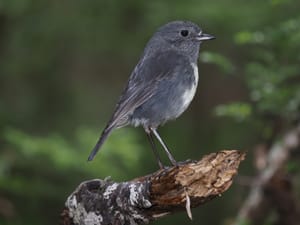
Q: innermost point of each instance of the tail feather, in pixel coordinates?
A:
(100, 142)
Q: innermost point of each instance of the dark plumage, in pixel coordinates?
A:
(162, 85)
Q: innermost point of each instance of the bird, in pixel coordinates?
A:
(162, 84)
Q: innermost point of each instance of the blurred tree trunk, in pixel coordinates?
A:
(273, 188)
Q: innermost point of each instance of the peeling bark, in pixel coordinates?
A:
(150, 197)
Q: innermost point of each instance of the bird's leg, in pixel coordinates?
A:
(171, 158)
(154, 150)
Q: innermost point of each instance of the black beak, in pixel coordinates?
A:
(204, 37)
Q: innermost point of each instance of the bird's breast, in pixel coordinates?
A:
(189, 93)
(171, 99)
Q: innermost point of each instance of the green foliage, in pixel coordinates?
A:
(41, 169)
(221, 61)
(271, 73)
(118, 157)
(239, 111)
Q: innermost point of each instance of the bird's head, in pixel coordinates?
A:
(185, 36)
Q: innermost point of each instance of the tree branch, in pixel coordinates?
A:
(150, 197)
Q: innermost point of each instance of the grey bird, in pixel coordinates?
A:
(162, 84)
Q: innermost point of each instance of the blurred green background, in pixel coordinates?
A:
(63, 65)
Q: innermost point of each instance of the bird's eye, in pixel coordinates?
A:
(184, 33)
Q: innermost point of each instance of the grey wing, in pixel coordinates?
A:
(143, 83)
(135, 94)
(131, 98)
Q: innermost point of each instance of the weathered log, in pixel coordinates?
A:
(150, 197)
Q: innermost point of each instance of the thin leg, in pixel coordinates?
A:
(154, 150)
(171, 158)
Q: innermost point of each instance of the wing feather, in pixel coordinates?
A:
(142, 84)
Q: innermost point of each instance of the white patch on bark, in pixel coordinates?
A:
(136, 196)
(133, 197)
(71, 202)
(93, 219)
(137, 199)
(79, 215)
(109, 190)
